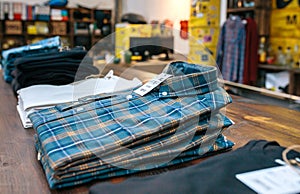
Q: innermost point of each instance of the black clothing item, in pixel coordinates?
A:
(283, 3)
(56, 68)
(133, 18)
(39, 59)
(214, 175)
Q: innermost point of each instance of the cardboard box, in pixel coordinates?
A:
(59, 28)
(203, 35)
(13, 27)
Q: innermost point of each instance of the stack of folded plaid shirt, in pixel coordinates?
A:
(112, 135)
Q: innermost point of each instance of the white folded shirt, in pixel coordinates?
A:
(38, 97)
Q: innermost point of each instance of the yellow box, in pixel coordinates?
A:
(13, 27)
(202, 55)
(284, 4)
(31, 29)
(123, 33)
(285, 19)
(203, 35)
(285, 23)
(284, 33)
(205, 13)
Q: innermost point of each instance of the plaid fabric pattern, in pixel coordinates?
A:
(176, 122)
(231, 50)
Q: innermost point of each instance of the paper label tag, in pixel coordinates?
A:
(281, 179)
(150, 85)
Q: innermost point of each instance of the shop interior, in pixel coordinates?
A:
(149, 96)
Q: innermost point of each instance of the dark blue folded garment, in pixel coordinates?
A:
(9, 56)
(55, 68)
(214, 175)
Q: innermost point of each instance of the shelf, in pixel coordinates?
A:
(242, 9)
(82, 34)
(273, 67)
(39, 35)
(84, 21)
(77, 17)
(5, 34)
(294, 76)
(278, 68)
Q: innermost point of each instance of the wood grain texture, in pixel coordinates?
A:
(254, 120)
(20, 172)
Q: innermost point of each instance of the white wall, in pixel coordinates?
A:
(175, 10)
(223, 12)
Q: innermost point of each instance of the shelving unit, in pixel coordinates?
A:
(260, 12)
(26, 31)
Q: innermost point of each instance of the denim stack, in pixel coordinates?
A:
(103, 136)
(9, 56)
(55, 68)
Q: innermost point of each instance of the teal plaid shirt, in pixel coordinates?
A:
(176, 122)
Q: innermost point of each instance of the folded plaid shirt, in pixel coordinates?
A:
(72, 137)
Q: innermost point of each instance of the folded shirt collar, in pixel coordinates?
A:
(187, 79)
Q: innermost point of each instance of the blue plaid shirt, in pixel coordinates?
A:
(231, 50)
(179, 119)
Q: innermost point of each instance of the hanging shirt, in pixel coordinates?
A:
(251, 56)
(231, 49)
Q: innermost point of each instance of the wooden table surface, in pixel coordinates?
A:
(21, 172)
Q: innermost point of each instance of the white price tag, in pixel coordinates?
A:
(282, 179)
(150, 85)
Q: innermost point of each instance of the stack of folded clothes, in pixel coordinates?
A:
(56, 68)
(176, 121)
(9, 56)
(37, 97)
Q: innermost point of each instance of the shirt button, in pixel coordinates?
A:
(129, 97)
(164, 93)
(79, 109)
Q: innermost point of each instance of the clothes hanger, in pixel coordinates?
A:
(232, 17)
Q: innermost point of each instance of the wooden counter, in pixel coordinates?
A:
(20, 172)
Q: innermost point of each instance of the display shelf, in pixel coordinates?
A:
(241, 9)
(83, 21)
(278, 68)
(273, 67)
(64, 27)
(294, 76)
(260, 12)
